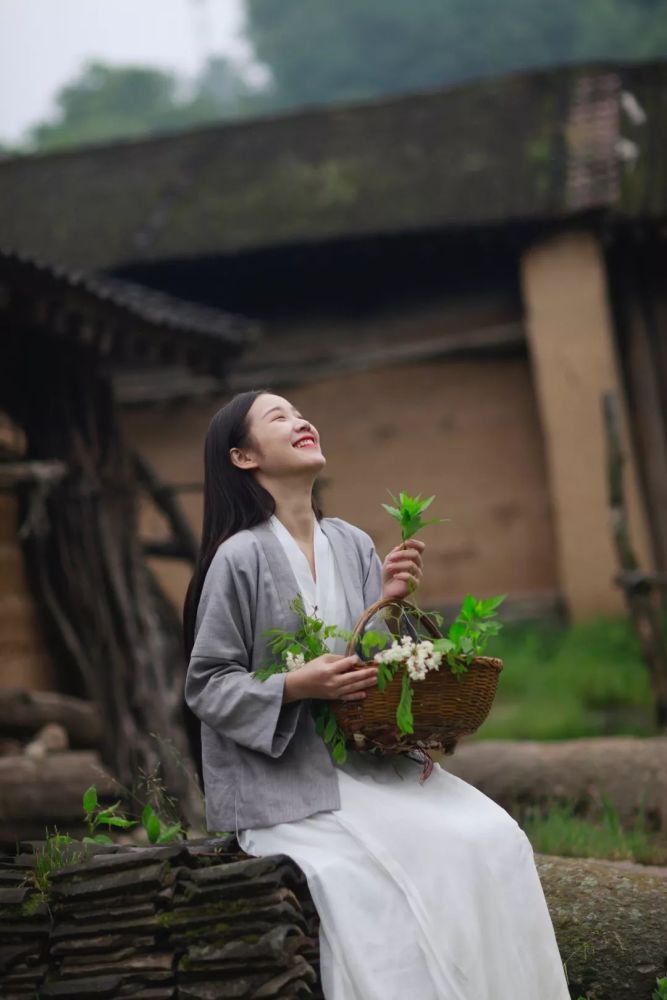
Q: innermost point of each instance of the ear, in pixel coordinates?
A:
(241, 460)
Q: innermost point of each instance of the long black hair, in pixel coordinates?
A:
(233, 499)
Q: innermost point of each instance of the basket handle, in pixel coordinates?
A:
(398, 603)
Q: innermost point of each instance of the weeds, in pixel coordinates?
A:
(563, 833)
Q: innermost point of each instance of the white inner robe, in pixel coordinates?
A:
(424, 892)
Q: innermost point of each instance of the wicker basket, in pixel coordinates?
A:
(444, 706)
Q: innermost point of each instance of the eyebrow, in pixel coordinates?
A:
(294, 410)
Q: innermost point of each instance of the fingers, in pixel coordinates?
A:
(343, 664)
(405, 564)
(356, 690)
(408, 557)
(362, 679)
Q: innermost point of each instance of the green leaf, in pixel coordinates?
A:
(392, 510)
(456, 630)
(331, 728)
(153, 828)
(371, 639)
(118, 821)
(468, 606)
(146, 814)
(491, 603)
(90, 800)
(404, 709)
(457, 666)
(99, 838)
(385, 674)
(173, 832)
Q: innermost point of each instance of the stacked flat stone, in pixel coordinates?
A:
(24, 934)
(195, 922)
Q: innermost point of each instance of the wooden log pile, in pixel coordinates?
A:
(48, 757)
(190, 922)
(519, 774)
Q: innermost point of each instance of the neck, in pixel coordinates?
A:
(295, 509)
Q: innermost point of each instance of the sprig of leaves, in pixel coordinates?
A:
(310, 640)
(408, 512)
(469, 633)
(97, 816)
(157, 831)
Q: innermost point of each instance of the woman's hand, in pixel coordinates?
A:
(331, 677)
(402, 569)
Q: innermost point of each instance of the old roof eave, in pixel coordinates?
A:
(528, 146)
(121, 320)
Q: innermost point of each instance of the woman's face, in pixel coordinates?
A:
(282, 441)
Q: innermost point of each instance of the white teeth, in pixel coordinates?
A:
(308, 443)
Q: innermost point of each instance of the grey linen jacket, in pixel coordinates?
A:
(263, 762)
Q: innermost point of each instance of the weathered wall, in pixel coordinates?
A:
(573, 351)
(466, 430)
(24, 661)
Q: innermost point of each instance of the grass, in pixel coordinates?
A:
(562, 683)
(561, 832)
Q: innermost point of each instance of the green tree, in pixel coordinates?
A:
(318, 51)
(105, 103)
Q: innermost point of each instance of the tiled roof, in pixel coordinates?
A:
(152, 306)
(528, 147)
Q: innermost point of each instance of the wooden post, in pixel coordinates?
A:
(638, 588)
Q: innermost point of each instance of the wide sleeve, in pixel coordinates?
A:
(219, 687)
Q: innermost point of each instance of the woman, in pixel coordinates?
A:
(424, 892)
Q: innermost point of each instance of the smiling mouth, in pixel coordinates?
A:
(305, 443)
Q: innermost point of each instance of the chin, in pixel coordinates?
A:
(316, 457)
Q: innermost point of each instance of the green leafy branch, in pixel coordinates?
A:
(468, 635)
(408, 512)
(97, 816)
(157, 831)
(466, 639)
(309, 640)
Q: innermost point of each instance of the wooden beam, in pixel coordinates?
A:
(13, 474)
(167, 550)
(164, 498)
(351, 356)
(644, 613)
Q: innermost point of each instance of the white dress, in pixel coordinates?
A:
(424, 892)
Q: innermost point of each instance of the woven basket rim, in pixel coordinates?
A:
(482, 661)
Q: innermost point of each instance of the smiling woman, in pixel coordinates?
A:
(269, 776)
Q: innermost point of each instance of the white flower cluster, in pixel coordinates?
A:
(419, 657)
(294, 660)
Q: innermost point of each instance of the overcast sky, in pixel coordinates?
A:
(43, 43)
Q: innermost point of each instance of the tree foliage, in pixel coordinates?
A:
(105, 103)
(316, 51)
(319, 51)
